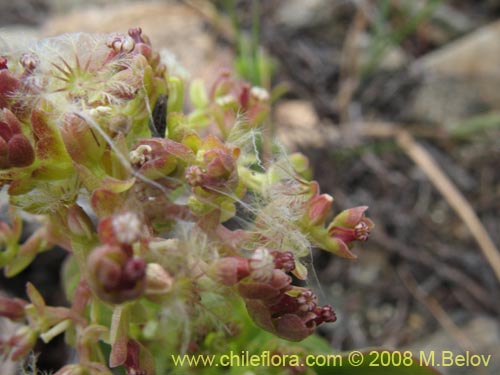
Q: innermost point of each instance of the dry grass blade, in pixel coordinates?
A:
(439, 179)
(454, 197)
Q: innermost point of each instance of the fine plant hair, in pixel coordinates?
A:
(185, 242)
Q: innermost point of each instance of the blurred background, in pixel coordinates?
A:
(397, 105)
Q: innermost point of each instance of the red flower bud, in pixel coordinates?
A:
(4, 154)
(283, 260)
(9, 84)
(3, 63)
(20, 151)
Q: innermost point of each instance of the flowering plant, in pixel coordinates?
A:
(170, 220)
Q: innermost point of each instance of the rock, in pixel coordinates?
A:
(298, 126)
(482, 332)
(475, 55)
(461, 79)
(298, 14)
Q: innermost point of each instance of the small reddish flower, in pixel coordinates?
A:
(351, 225)
(158, 157)
(293, 316)
(216, 168)
(115, 275)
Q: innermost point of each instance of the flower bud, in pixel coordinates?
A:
(230, 270)
(158, 281)
(20, 151)
(259, 94)
(134, 270)
(284, 260)
(9, 84)
(3, 63)
(270, 290)
(349, 218)
(319, 208)
(120, 43)
(29, 62)
(12, 308)
(114, 275)
(4, 154)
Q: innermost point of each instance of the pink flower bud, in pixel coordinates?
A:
(349, 218)
(230, 270)
(319, 208)
(22, 342)
(120, 43)
(158, 281)
(12, 308)
(283, 260)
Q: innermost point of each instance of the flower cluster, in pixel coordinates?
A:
(165, 214)
(288, 311)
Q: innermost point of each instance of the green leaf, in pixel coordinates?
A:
(175, 94)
